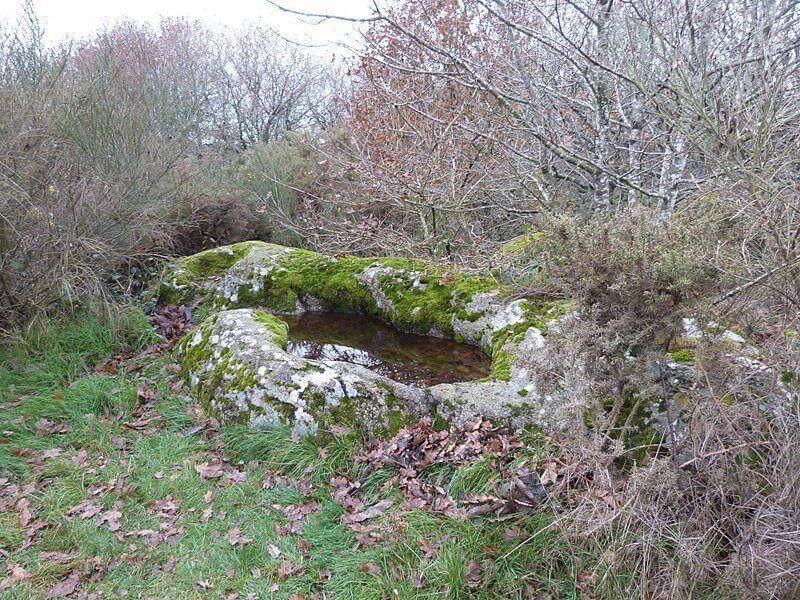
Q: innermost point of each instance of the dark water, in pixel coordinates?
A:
(405, 357)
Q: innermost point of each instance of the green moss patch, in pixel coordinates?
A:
(216, 260)
(683, 355)
(278, 329)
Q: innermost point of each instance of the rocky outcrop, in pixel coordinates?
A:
(237, 366)
(412, 295)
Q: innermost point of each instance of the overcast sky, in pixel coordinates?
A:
(75, 19)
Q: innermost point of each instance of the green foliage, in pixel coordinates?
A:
(271, 177)
(216, 260)
(682, 355)
(638, 266)
(49, 354)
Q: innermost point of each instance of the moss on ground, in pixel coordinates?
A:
(180, 282)
(683, 355)
(221, 374)
(327, 415)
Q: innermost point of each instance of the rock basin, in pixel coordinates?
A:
(238, 364)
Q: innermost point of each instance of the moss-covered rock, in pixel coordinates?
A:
(412, 295)
(181, 280)
(237, 367)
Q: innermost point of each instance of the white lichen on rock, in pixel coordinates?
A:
(514, 400)
(237, 366)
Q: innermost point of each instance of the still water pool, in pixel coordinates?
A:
(405, 357)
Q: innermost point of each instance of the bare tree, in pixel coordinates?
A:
(588, 105)
(267, 87)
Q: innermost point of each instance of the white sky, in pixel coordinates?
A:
(75, 19)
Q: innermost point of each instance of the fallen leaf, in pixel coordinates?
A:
(369, 513)
(58, 557)
(303, 485)
(65, 587)
(25, 515)
(512, 533)
(87, 509)
(302, 546)
(46, 426)
(370, 568)
(234, 536)
(140, 424)
(170, 564)
(210, 470)
(17, 574)
(288, 568)
(111, 517)
(549, 475)
(474, 572)
(81, 459)
(236, 476)
(273, 550)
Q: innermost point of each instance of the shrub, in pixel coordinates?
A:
(703, 504)
(117, 150)
(90, 175)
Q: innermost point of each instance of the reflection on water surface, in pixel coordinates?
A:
(405, 357)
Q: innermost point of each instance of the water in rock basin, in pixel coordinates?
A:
(405, 357)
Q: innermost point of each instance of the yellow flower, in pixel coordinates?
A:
(51, 187)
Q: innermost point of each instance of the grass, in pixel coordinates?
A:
(417, 555)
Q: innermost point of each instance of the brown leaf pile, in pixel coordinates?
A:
(419, 446)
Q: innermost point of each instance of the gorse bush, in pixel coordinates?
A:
(277, 180)
(706, 503)
(629, 282)
(637, 263)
